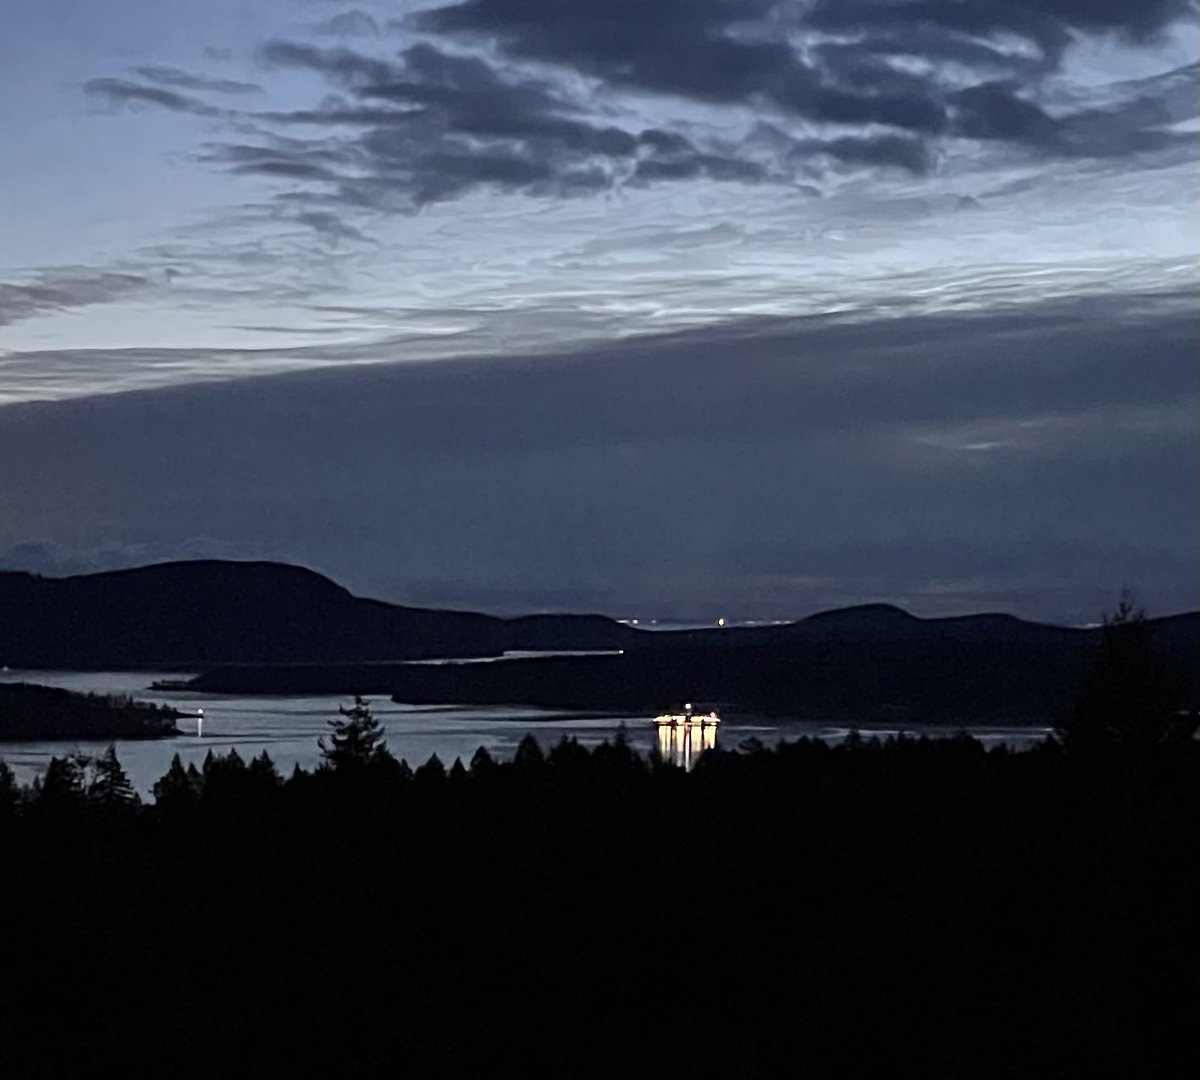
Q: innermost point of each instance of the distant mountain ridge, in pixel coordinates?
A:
(891, 623)
(203, 613)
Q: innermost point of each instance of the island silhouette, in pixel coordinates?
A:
(258, 627)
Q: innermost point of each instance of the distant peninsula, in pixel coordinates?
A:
(31, 712)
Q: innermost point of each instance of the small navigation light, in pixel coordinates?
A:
(721, 621)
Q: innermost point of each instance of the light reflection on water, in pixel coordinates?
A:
(682, 744)
(287, 727)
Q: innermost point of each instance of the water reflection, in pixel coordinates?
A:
(684, 737)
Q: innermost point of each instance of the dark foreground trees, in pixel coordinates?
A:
(1129, 701)
(76, 780)
(587, 913)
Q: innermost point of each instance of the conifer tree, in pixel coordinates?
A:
(62, 782)
(529, 756)
(432, 772)
(177, 786)
(263, 771)
(356, 739)
(482, 763)
(109, 784)
(10, 793)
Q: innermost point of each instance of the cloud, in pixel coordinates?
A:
(329, 225)
(771, 54)
(435, 125)
(691, 165)
(341, 64)
(733, 50)
(291, 164)
(1133, 124)
(552, 100)
(1046, 25)
(709, 63)
(185, 80)
(788, 464)
(897, 151)
(993, 110)
(58, 290)
(121, 92)
(352, 23)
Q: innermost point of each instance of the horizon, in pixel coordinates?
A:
(661, 621)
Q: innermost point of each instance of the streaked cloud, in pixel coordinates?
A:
(1009, 459)
(121, 92)
(66, 288)
(186, 80)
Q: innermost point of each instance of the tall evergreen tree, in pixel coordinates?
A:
(482, 763)
(529, 756)
(63, 781)
(356, 739)
(263, 771)
(177, 786)
(109, 784)
(432, 772)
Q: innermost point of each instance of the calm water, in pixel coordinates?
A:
(287, 727)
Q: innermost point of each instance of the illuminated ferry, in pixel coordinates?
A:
(710, 719)
(683, 737)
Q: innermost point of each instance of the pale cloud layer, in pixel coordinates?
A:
(226, 189)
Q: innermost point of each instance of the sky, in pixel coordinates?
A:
(683, 308)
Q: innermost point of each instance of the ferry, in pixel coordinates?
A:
(683, 737)
(688, 718)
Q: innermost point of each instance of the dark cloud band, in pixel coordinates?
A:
(852, 85)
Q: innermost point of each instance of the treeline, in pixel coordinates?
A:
(30, 711)
(591, 912)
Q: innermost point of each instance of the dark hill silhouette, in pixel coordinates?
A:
(199, 613)
(1177, 631)
(864, 617)
(880, 622)
(887, 622)
(195, 614)
(569, 632)
(271, 628)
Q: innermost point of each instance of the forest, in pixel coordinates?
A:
(592, 913)
(30, 711)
